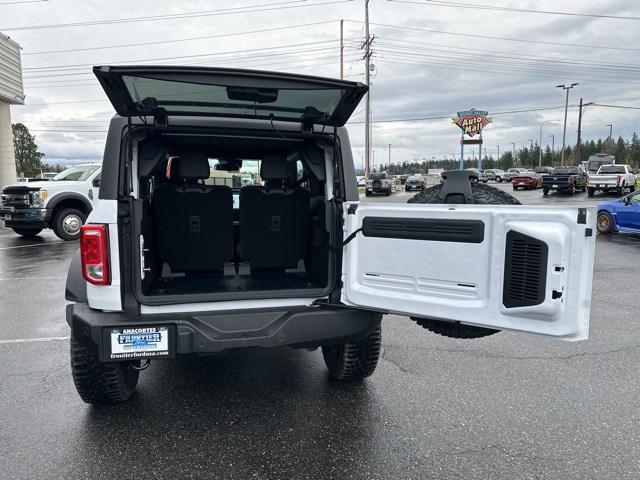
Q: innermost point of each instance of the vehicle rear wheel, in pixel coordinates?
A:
(67, 223)
(482, 194)
(591, 191)
(621, 191)
(354, 360)
(389, 192)
(604, 222)
(545, 190)
(632, 188)
(499, 179)
(101, 383)
(27, 232)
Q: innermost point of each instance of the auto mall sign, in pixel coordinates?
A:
(471, 122)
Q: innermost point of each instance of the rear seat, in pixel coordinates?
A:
(193, 221)
(274, 219)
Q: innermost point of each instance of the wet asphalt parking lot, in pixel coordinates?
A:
(506, 406)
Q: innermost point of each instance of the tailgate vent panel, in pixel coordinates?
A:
(434, 229)
(525, 271)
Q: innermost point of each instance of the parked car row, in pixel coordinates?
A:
(499, 176)
(382, 183)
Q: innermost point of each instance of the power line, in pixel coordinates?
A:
(509, 39)
(528, 73)
(176, 40)
(44, 68)
(631, 107)
(381, 120)
(500, 54)
(205, 13)
(479, 6)
(22, 1)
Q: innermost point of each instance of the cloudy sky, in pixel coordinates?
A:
(432, 58)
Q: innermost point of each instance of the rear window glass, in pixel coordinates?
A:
(612, 169)
(377, 176)
(76, 173)
(566, 171)
(181, 97)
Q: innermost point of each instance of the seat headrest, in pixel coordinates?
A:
(275, 167)
(192, 166)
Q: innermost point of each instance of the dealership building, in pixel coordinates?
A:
(11, 93)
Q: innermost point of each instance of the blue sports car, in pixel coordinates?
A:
(622, 215)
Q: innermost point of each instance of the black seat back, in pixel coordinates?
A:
(274, 219)
(193, 221)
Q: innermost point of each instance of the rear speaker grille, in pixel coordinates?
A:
(525, 271)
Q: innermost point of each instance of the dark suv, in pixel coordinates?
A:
(177, 258)
(378, 183)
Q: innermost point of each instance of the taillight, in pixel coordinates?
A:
(94, 251)
(618, 178)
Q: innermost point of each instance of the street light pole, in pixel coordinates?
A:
(566, 110)
(498, 152)
(610, 131)
(540, 144)
(389, 155)
(513, 159)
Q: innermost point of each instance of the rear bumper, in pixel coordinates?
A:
(25, 217)
(206, 333)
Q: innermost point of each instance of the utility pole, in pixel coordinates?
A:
(579, 139)
(566, 109)
(498, 152)
(367, 67)
(341, 49)
(610, 132)
(513, 159)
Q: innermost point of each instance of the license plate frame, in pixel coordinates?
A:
(138, 342)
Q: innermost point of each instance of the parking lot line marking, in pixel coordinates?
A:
(34, 245)
(33, 340)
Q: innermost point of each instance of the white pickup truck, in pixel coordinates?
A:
(62, 203)
(612, 178)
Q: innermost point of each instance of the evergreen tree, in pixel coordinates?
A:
(28, 157)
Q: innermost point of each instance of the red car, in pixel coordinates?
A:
(527, 180)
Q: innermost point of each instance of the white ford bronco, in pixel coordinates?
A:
(172, 262)
(62, 203)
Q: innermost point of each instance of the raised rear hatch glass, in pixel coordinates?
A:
(199, 91)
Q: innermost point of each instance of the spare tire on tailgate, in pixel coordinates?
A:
(482, 194)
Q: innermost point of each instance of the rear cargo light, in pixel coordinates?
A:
(94, 251)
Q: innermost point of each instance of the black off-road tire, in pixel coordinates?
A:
(545, 191)
(101, 383)
(354, 360)
(591, 191)
(59, 223)
(482, 194)
(27, 232)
